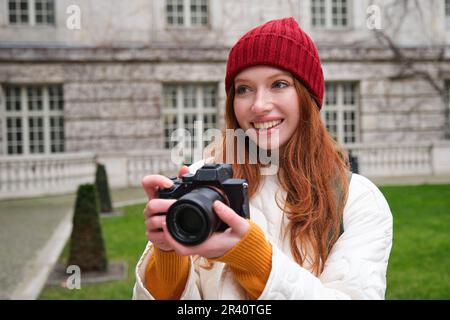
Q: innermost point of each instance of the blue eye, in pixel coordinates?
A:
(280, 84)
(241, 90)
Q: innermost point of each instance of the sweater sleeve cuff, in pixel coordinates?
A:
(166, 274)
(169, 265)
(252, 254)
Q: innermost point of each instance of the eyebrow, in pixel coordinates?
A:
(271, 77)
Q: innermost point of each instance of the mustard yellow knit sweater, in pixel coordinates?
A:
(250, 261)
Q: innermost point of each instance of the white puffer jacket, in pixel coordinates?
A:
(355, 269)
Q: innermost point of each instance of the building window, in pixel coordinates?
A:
(341, 111)
(329, 13)
(318, 13)
(45, 11)
(34, 119)
(187, 13)
(186, 106)
(31, 12)
(447, 13)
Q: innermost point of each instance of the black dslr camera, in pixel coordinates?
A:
(191, 219)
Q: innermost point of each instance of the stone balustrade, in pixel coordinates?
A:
(391, 159)
(62, 173)
(45, 174)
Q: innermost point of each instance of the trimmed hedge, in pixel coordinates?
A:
(87, 247)
(101, 181)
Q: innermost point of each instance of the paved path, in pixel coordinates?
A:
(33, 233)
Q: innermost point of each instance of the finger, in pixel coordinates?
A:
(156, 206)
(152, 182)
(179, 248)
(231, 218)
(155, 223)
(183, 170)
(156, 237)
(158, 240)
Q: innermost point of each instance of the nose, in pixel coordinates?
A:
(263, 102)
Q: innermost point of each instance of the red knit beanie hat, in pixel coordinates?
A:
(279, 43)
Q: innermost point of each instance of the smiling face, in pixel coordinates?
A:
(266, 102)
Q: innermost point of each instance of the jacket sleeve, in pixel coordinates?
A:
(191, 292)
(357, 264)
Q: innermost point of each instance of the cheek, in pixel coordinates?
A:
(290, 130)
(292, 114)
(292, 109)
(294, 118)
(241, 114)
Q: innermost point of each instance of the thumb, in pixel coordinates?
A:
(231, 218)
(183, 170)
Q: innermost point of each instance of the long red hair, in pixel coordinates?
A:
(312, 170)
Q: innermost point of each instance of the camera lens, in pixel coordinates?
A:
(191, 220)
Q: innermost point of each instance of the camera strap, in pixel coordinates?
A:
(340, 197)
(341, 226)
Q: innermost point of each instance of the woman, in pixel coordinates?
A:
(312, 234)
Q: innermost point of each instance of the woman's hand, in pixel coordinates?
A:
(156, 209)
(220, 242)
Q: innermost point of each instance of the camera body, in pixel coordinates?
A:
(191, 219)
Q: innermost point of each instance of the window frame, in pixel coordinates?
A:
(179, 111)
(31, 16)
(340, 108)
(446, 16)
(329, 16)
(25, 115)
(187, 16)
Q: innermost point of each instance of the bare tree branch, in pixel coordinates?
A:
(408, 67)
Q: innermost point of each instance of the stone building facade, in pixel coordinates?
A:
(114, 77)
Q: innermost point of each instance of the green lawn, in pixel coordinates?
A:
(125, 241)
(419, 266)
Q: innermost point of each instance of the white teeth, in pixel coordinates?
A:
(266, 125)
